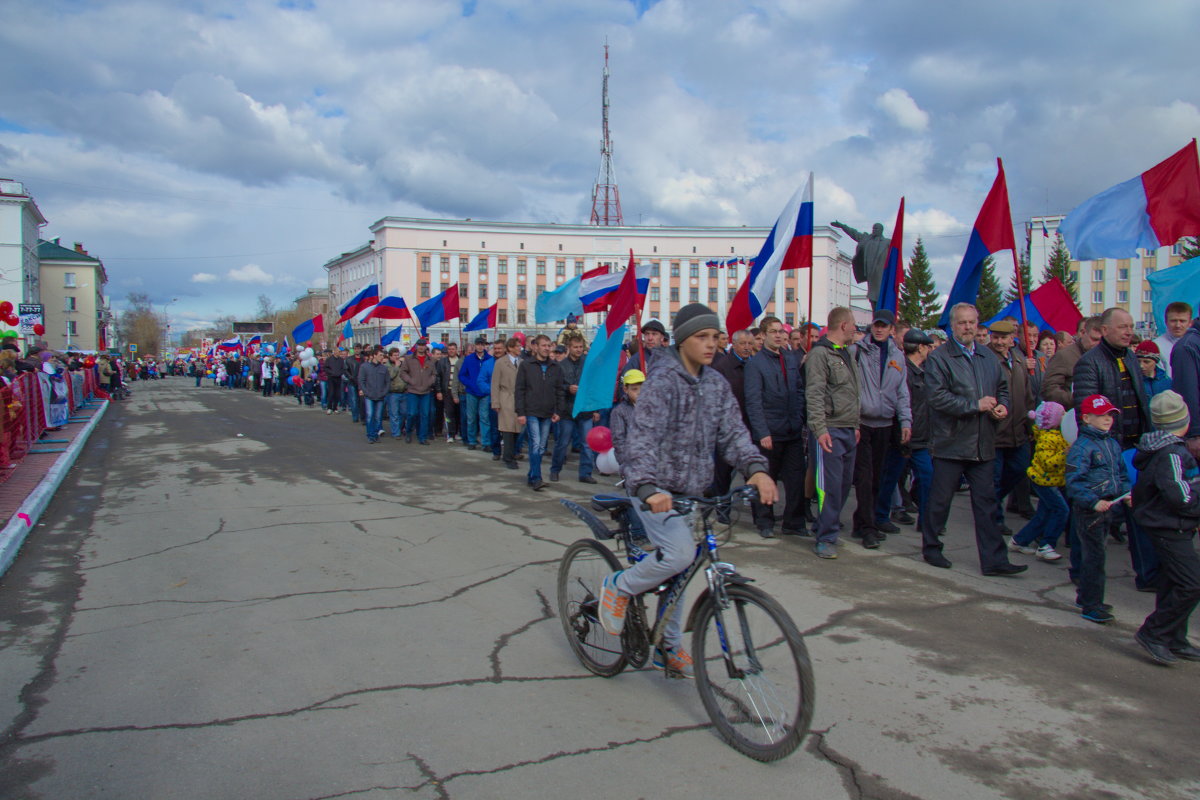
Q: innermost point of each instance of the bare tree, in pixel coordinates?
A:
(140, 325)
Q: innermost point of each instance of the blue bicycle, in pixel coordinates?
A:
(752, 668)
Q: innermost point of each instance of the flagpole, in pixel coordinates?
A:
(811, 269)
(1020, 294)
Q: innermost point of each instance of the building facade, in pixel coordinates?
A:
(20, 223)
(1106, 282)
(72, 290)
(512, 262)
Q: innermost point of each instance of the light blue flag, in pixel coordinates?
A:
(559, 304)
(1178, 283)
(598, 383)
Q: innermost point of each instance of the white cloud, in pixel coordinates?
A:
(903, 109)
(250, 273)
(204, 277)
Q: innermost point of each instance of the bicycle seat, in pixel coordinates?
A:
(610, 502)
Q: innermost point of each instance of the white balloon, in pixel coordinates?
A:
(1069, 427)
(606, 462)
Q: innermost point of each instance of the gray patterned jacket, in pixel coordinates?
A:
(678, 423)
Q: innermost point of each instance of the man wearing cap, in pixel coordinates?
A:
(885, 415)
(571, 423)
(1185, 378)
(774, 386)
(476, 429)
(684, 413)
(417, 372)
(1012, 432)
(654, 336)
(968, 397)
(917, 347)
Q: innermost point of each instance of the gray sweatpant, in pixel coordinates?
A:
(834, 476)
(672, 537)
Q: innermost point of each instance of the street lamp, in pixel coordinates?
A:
(166, 327)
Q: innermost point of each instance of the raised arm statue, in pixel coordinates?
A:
(870, 257)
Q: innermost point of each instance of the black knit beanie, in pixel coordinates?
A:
(694, 318)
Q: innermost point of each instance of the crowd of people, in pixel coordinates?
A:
(904, 417)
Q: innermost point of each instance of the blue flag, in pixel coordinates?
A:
(1180, 283)
(598, 382)
(391, 336)
(559, 304)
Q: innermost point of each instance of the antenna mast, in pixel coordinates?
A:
(606, 200)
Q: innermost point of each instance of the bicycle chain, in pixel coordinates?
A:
(634, 637)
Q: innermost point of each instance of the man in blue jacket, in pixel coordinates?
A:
(477, 428)
(1185, 374)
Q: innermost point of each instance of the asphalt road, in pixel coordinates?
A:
(234, 597)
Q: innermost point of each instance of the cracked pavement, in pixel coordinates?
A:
(296, 614)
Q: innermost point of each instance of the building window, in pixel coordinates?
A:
(712, 294)
(501, 266)
(520, 266)
(693, 295)
(464, 312)
(1176, 250)
(464, 265)
(1097, 297)
(1075, 275)
(483, 291)
(502, 292)
(424, 288)
(1123, 274)
(424, 263)
(541, 266)
(70, 303)
(1097, 275)
(72, 327)
(445, 263)
(674, 294)
(694, 270)
(732, 294)
(655, 270)
(502, 316)
(654, 294)
(1122, 296)
(1146, 296)
(521, 316)
(462, 290)
(674, 269)
(789, 294)
(560, 268)
(69, 280)
(789, 318)
(712, 272)
(1148, 318)
(521, 292)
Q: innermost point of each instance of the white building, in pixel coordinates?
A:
(1105, 282)
(20, 222)
(512, 262)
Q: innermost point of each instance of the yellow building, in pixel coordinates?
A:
(72, 291)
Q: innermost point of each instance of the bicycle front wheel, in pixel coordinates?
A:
(583, 567)
(761, 700)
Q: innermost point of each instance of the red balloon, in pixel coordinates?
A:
(599, 439)
(39, 329)
(5, 308)
(297, 380)
(13, 320)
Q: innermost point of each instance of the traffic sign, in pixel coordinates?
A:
(133, 348)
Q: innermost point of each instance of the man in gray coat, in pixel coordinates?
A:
(373, 384)
(968, 396)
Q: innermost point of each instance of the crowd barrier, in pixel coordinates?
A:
(23, 413)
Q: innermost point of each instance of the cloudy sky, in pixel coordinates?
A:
(214, 150)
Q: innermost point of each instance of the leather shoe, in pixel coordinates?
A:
(904, 518)
(766, 533)
(796, 532)
(495, 456)
(554, 477)
(870, 541)
(587, 479)
(938, 560)
(1006, 570)
(1189, 653)
(537, 486)
(1156, 651)
(887, 527)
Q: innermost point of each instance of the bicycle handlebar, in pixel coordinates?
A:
(686, 504)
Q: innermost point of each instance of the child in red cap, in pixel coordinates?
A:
(1096, 480)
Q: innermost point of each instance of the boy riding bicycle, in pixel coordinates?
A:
(685, 413)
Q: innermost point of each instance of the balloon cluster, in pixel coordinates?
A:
(600, 440)
(308, 358)
(7, 315)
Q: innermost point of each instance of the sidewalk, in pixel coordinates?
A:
(31, 483)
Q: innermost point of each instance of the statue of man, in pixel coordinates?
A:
(870, 258)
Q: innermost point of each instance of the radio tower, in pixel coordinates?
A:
(606, 200)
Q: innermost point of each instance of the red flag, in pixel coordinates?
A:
(625, 299)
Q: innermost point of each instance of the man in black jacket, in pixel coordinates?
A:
(733, 367)
(917, 347)
(968, 396)
(540, 402)
(335, 369)
(572, 425)
(775, 406)
(1111, 369)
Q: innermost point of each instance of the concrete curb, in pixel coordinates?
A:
(12, 536)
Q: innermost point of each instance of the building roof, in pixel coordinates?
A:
(53, 251)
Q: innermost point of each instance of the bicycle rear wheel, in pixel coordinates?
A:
(764, 708)
(583, 567)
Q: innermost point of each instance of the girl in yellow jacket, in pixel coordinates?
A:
(1047, 473)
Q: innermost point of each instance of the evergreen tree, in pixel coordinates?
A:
(919, 304)
(1189, 247)
(1059, 267)
(991, 296)
(1026, 280)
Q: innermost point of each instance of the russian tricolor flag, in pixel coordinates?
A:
(254, 343)
(368, 297)
(485, 319)
(893, 271)
(306, 330)
(442, 308)
(992, 233)
(597, 289)
(789, 246)
(229, 345)
(390, 307)
(1155, 209)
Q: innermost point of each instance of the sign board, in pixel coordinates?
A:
(133, 348)
(206, 345)
(31, 314)
(254, 327)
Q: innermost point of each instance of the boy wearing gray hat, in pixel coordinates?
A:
(1166, 503)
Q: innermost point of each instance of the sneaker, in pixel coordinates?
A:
(612, 604)
(676, 659)
(1104, 606)
(554, 477)
(1020, 548)
(825, 550)
(887, 526)
(903, 517)
(1048, 553)
(327, 411)
(1097, 615)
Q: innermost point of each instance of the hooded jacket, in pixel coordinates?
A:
(1166, 497)
(1095, 469)
(774, 391)
(956, 382)
(469, 373)
(1049, 464)
(678, 422)
(831, 387)
(1185, 373)
(884, 396)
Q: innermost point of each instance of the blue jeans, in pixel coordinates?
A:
(374, 417)
(420, 406)
(1049, 521)
(1010, 463)
(395, 401)
(496, 441)
(477, 412)
(538, 429)
(893, 468)
(350, 399)
(568, 430)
